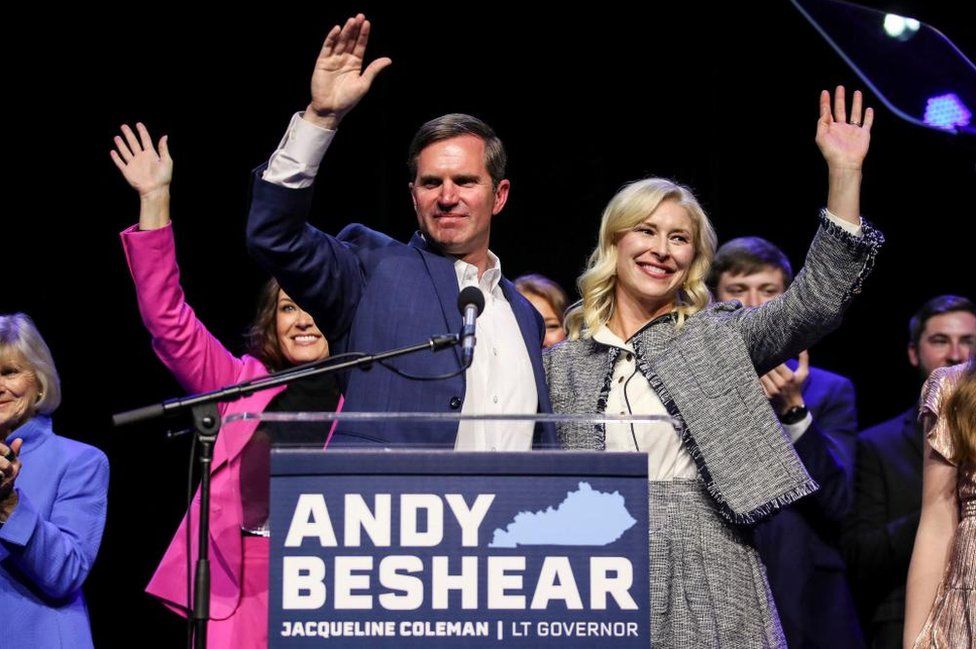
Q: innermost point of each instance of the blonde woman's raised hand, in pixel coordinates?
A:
(844, 140)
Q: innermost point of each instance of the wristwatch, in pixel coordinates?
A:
(794, 415)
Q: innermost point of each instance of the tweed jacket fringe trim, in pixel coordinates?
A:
(869, 243)
(688, 441)
(758, 469)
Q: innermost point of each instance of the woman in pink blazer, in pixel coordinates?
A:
(282, 335)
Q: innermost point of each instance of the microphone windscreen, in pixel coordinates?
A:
(471, 295)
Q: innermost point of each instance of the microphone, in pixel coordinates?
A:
(471, 302)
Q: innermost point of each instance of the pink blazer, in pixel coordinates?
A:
(200, 363)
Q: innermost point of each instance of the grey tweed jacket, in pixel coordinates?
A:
(706, 374)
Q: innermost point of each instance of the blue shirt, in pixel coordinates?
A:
(49, 543)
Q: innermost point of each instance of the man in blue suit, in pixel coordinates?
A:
(880, 532)
(370, 293)
(800, 544)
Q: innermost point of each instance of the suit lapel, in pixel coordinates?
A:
(529, 328)
(912, 429)
(234, 436)
(444, 278)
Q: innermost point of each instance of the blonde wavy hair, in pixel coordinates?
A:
(627, 209)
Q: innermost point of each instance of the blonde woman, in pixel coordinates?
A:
(940, 601)
(644, 340)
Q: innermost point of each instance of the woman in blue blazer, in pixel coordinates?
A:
(53, 494)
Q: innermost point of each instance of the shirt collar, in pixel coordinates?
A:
(33, 431)
(467, 274)
(604, 336)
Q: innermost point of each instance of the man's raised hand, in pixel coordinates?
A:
(339, 80)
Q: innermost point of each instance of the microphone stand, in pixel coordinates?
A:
(206, 423)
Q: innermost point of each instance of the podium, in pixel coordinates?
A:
(429, 547)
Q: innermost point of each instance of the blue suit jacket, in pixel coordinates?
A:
(800, 544)
(49, 543)
(880, 532)
(370, 293)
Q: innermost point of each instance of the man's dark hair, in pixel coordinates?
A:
(454, 125)
(748, 255)
(936, 306)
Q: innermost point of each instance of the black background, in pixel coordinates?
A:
(723, 98)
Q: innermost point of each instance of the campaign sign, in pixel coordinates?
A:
(443, 549)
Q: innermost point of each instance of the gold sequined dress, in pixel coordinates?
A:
(952, 621)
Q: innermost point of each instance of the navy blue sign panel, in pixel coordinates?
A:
(442, 549)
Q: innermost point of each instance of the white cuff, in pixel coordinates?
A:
(296, 161)
(847, 225)
(795, 431)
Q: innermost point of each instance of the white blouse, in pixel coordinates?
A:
(632, 394)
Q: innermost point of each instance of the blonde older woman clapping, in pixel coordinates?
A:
(53, 494)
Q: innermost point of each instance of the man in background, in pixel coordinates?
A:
(880, 532)
(801, 544)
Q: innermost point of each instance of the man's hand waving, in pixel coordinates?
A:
(339, 80)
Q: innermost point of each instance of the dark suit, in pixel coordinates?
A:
(880, 532)
(370, 293)
(800, 544)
